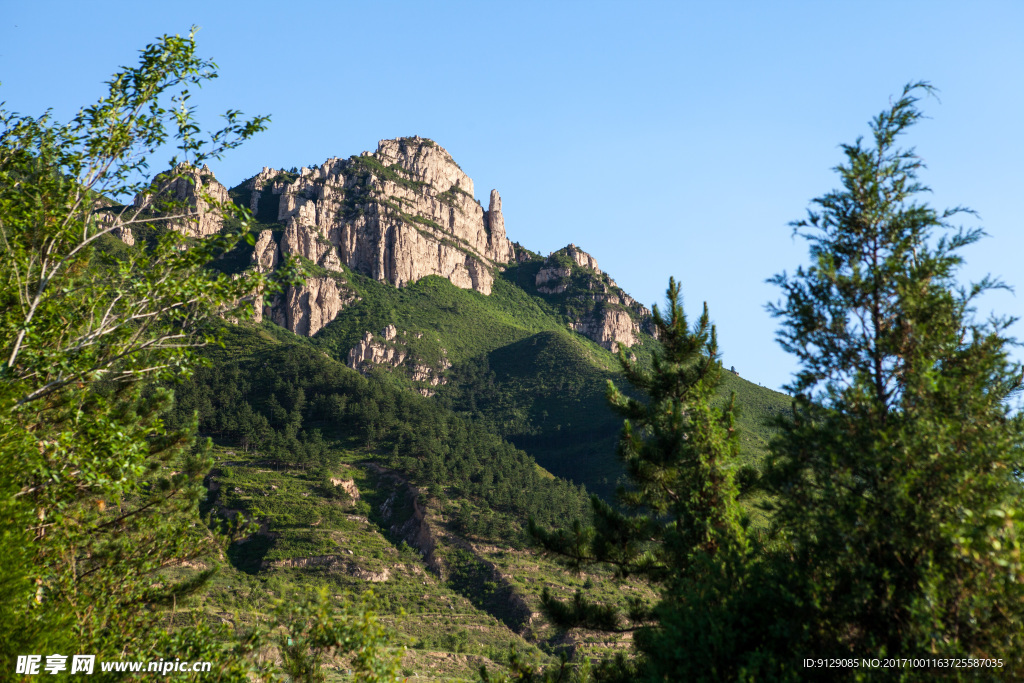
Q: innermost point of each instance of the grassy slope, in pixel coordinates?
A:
(463, 322)
(517, 366)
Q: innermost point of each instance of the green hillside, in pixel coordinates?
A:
(445, 483)
(436, 525)
(464, 603)
(416, 477)
(463, 322)
(518, 370)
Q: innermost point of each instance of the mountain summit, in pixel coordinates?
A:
(397, 215)
(402, 213)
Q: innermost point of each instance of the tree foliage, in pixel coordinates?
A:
(894, 485)
(898, 477)
(97, 495)
(679, 516)
(294, 406)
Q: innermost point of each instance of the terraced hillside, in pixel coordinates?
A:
(457, 601)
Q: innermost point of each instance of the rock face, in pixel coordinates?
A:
(416, 530)
(390, 349)
(582, 258)
(368, 352)
(257, 184)
(305, 310)
(190, 189)
(124, 234)
(348, 486)
(108, 217)
(121, 232)
(429, 377)
(597, 307)
(400, 214)
(609, 327)
(397, 215)
(553, 275)
(559, 266)
(265, 255)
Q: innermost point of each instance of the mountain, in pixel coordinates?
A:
(409, 273)
(398, 418)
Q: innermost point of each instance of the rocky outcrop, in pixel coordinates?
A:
(553, 275)
(552, 278)
(582, 258)
(390, 349)
(257, 306)
(257, 185)
(121, 232)
(416, 529)
(348, 486)
(124, 234)
(609, 327)
(192, 195)
(397, 215)
(369, 352)
(265, 255)
(430, 376)
(306, 309)
(496, 225)
(303, 238)
(426, 162)
(331, 562)
(596, 306)
(108, 217)
(523, 255)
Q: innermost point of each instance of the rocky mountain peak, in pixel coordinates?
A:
(396, 215)
(582, 258)
(190, 187)
(399, 214)
(553, 277)
(598, 308)
(425, 161)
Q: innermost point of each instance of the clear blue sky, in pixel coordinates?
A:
(664, 138)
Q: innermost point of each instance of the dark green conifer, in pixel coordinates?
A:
(896, 481)
(898, 478)
(679, 514)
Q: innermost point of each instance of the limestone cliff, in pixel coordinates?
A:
(369, 352)
(306, 309)
(397, 215)
(109, 216)
(265, 256)
(609, 327)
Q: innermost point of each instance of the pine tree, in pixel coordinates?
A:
(896, 482)
(898, 478)
(679, 518)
